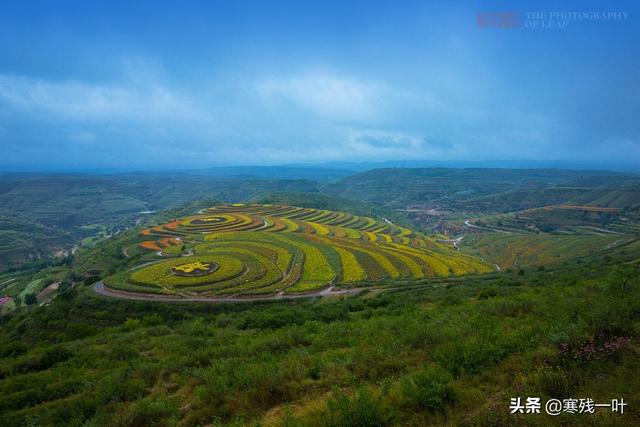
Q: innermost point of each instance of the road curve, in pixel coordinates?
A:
(101, 289)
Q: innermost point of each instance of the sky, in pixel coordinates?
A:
(159, 84)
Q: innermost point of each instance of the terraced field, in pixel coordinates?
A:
(268, 249)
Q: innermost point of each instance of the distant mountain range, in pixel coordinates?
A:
(328, 171)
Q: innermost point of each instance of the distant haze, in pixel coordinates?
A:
(181, 85)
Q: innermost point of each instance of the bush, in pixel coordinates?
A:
(117, 387)
(428, 389)
(487, 293)
(131, 324)
(152, 412)
(66, 292)
(622, 280)
(551, 381)
(152, 320)
(30, 298)
(472, 356)
(361, 409)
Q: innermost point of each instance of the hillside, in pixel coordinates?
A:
(604, 195)
(243, 249)
(63, 209)
(452, 351)
(488, 190)
(22, 240)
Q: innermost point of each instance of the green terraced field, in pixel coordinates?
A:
(268, 249)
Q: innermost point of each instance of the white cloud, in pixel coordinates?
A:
(74, 100)
(307, 117)
(327, 95)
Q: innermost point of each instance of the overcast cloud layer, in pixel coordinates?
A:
(180, 85)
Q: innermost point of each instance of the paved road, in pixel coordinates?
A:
(497, 230)
(101, 289)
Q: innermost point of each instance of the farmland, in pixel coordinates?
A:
(268, 249)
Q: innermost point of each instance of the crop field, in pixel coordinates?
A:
(269, 249)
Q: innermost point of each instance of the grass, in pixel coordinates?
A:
(450, 352)
(32, 288)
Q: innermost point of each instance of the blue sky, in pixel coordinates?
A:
(196, 84)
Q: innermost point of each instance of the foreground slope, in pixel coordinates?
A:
(453, 352)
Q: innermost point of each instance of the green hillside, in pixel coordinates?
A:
(452, 352)
(492, 189)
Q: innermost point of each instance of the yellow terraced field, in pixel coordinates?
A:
(265, 249)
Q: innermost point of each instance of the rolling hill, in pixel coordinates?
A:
(488, 190)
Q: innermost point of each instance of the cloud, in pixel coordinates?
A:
(377, 144)
(332, 96)
(80, 101)
(144, 118)
(377, 139)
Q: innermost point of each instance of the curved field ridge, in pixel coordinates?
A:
(274, 249)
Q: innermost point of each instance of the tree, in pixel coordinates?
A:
(66, 291)
(30, 298)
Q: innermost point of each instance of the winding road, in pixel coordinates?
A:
(469, 224)
(454, 242)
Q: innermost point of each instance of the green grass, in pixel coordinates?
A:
(451, 351)
(32, 287)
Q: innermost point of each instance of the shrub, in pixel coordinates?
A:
(472, 356)
(428, 389)
(152, 412)
(487, 293)
(30, 298)
(622, 280)
(361, 409)
(152, 320)
(66, 292)
(119, 388)
(131, 324)
(552, 381)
